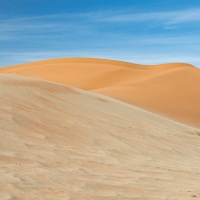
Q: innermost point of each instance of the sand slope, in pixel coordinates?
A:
(62, 143)
(171, 90)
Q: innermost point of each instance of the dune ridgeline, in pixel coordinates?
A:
(171, 90)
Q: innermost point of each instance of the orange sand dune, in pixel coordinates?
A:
(57, 142)
(171, 90)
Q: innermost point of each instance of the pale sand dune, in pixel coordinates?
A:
(63, 143)
(171, 90)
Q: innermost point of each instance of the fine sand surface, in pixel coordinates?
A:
(62, 143)
(171, 90)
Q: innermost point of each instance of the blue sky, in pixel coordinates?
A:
(139, 31)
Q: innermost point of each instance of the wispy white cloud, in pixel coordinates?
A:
(168, 17)
(66, 33)
(35, 26)
(27, 27)
(91, 19)
(166, 40)
(53, 17)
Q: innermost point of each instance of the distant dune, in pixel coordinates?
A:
(58, 142)
(171, 90)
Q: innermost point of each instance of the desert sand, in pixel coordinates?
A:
(170, 90)
(58, 142)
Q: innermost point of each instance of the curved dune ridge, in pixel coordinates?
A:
(58, 142)
(171, 90)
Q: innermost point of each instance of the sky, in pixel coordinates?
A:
(139, 31)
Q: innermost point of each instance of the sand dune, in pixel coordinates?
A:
(171, 90)
(58, 142)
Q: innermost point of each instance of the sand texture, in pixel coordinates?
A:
(170, 90)
(58, 142)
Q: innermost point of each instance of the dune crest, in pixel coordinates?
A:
(59, 142)
(171, 90)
